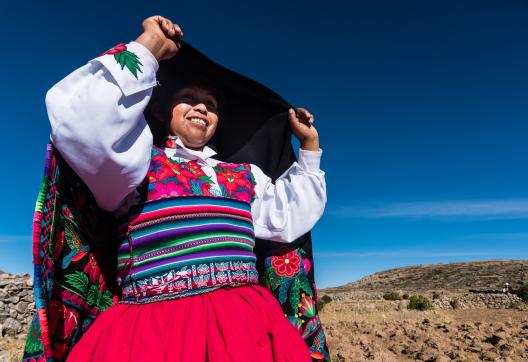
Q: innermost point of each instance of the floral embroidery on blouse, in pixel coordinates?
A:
(171, 178)
(125, 58)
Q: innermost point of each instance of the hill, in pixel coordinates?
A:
(479, 275)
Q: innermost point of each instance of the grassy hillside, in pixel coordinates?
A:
(480, 275)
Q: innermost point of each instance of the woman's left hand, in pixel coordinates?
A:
(301, 122)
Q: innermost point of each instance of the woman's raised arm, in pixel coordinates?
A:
(290, 207)
(96, 113)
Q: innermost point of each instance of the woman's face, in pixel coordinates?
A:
(194, 116)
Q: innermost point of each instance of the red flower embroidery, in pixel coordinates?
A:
(162, 190)
(195, 168)
(206, 189)
(243, 195)
(307, 265)
(288, 264)
(232, 180)
(58, 312)
(91, 269)
(117, 49)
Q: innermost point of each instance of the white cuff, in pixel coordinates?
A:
(133, 69)
(310, 160)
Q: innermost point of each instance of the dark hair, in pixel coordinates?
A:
(159, 109)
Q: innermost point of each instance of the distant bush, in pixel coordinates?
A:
(455, 303)
(419, 302)
(324, 300)
(436, 295)
(522, 292)
(392, 296)
(405, 296)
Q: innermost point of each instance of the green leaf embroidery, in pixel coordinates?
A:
(207, 179)
(93, 295)
(284, 288)
(130, 60)
(295, 296)
(78, 281)
(305, 285)
(105, 301)
(311, 326)
(196, 188)
(34, 339)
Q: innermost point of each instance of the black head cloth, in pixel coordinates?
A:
(253, 124)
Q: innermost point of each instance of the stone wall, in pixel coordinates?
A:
(478, 301)
(16, 304)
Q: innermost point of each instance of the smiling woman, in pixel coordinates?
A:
(186, 269)
(194, 116)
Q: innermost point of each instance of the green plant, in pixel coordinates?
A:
(419, 302)
(455, 303)
(405, 296)
(522, 292)
(324, 300)
(392, 296)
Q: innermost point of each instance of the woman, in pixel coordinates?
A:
(187, 271)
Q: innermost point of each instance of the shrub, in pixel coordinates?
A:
(392, 296)
(419, 302)
(455, 303)
(324, 300)
(522, 292)
(436, 295)
(405, 296)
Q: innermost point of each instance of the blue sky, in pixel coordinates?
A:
(421, 106)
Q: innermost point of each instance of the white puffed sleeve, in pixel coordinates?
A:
(97, 122)
(288, 209)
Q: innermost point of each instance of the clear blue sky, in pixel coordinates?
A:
(422, 108)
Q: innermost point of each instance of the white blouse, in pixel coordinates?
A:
(98, 126)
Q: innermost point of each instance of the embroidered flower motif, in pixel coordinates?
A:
(317, 355)
(116, 49)
(162, 190)
(243, 195)
(287, 265)
(59, 313)
(231, 180)
(196, 169)
(307, 306)
(234, 180)
(91, 269)
(125, 58)
(307, 265)
(170, 142)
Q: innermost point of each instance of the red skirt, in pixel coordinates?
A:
(229, 324)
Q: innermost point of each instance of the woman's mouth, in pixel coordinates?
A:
(200, 121)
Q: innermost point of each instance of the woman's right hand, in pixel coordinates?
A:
(161, 36)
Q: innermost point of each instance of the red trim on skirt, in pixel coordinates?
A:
(229, 324)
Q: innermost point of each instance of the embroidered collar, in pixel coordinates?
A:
(175, 144)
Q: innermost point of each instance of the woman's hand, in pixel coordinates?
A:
(161, 36)
(302, 126)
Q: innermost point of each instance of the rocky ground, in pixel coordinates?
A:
(465, 324)
(378, 330)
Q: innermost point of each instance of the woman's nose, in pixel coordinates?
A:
(200, 107)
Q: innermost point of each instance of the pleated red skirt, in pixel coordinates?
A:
(230, 324)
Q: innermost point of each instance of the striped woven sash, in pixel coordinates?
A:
(182, 246)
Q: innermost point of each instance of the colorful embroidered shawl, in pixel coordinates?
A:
(75, 255)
